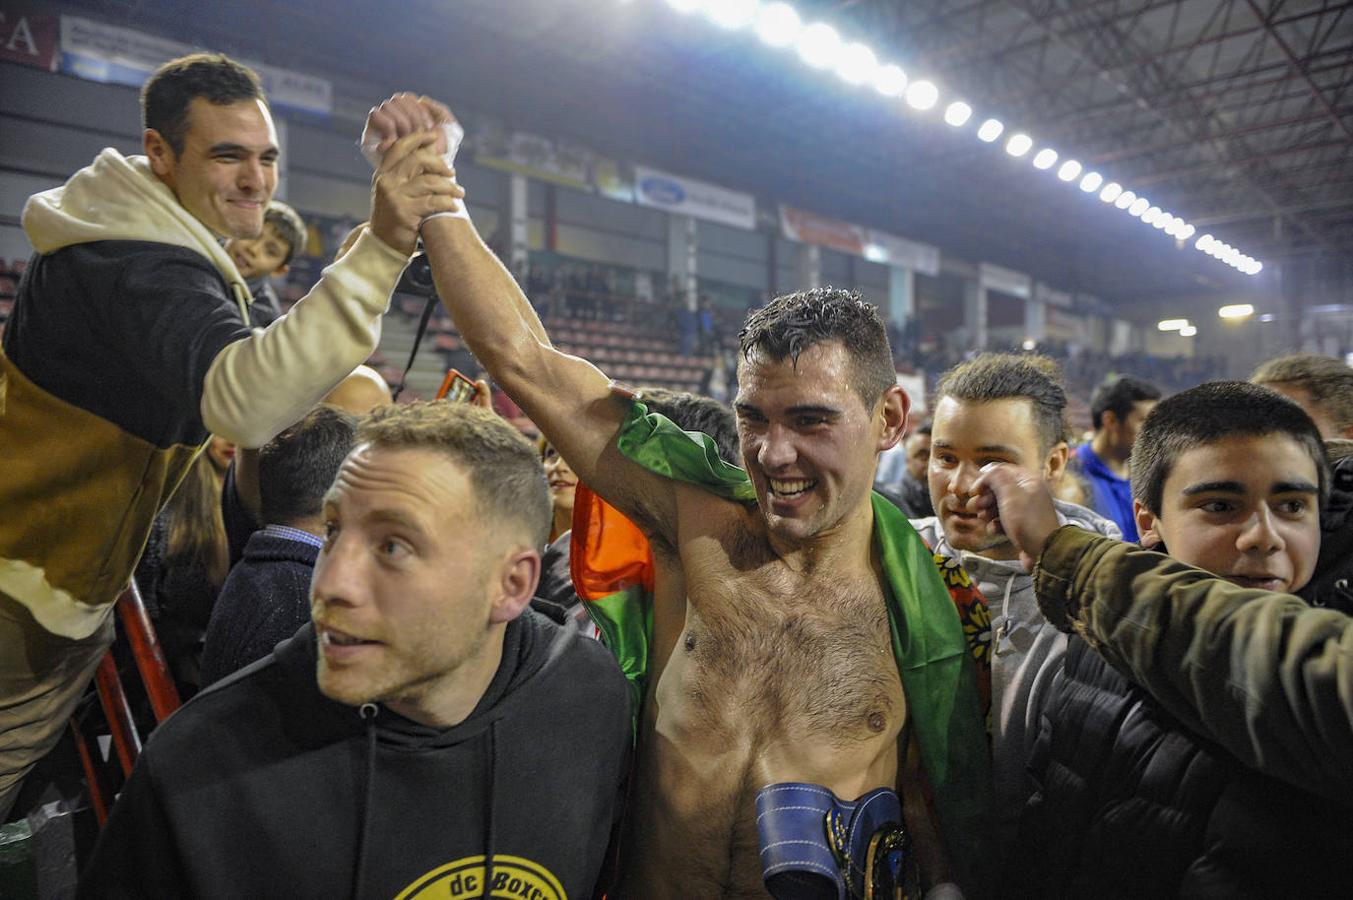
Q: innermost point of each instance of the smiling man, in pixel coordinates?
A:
(129, 342)
(427, 734)
(813, 642)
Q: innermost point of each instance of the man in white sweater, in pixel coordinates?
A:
(129, 343)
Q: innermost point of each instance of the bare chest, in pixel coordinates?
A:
(771, 654)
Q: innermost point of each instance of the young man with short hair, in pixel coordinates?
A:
(129, 343)
(266, 257)
(1228, 477)
(1288, 663)
(427, 735)
(1117, 409)
(1321, 385)
(1001, 408)
(779, 670)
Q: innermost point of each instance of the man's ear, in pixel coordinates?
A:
(518, 575)
(161, 155)
(281, 270)
(1054, 465)
(893, 410)
(1148, 526)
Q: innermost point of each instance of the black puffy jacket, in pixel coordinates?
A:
(1130, 804)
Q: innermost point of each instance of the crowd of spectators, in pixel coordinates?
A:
(408, 624)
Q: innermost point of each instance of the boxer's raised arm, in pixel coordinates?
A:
(568, 398)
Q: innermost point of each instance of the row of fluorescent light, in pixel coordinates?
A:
(820, 46)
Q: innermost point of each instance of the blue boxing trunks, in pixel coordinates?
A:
(815, 846)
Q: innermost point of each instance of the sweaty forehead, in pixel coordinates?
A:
(821, 376)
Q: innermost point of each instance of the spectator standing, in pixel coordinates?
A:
(688, 330)
(709, 337)
(910, 490)
(182, 569)
(1117, 409)
(129, 342)
(267, 594)
(1321, 385)
(1002, 408)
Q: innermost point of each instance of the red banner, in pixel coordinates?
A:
(29, 36)
(810, 228)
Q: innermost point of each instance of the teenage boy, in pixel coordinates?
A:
(268, 256)
(1227, 477)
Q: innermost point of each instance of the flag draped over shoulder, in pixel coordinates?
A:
(612, 568)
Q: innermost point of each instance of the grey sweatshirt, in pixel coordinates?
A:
(1026, 653)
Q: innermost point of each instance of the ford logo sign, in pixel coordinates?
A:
(662, 190)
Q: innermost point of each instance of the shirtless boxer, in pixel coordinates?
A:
(775, 662)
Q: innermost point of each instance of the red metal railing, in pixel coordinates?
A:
(159, 686)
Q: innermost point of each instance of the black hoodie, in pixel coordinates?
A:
(263, 787)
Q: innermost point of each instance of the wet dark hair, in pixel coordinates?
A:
(790, 324)
(1004, 376)
(296, 468)
(167, 94)
(1119, 396)
(1210, 413)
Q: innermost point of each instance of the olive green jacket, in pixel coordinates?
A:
(1264, 675)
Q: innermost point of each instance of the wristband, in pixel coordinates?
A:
(452, 129)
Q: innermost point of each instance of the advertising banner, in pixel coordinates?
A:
(811, 228)
(856, 240)
(688, 197)
(534, 156)
(1007, 281)
(496, 146)
(1064, 325)
(895, 251)
(113, 55)
(29, 36)
(1052, 297)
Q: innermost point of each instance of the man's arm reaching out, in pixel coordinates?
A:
(260, 384)
(1262, 674)
(568, 398)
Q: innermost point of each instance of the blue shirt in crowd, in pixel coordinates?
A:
(1110, 496)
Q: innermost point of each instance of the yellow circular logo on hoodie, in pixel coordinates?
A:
(514, 878)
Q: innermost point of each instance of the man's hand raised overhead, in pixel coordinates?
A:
(411, 183)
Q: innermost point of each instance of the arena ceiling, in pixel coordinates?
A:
(1234, 114)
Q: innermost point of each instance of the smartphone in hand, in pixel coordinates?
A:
(456, 388)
